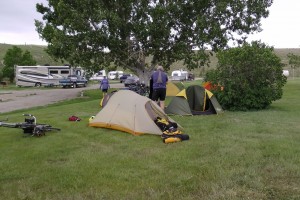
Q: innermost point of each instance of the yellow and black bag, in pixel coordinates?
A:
(170, 132)
(174, 135)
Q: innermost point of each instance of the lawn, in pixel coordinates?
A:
(236, 155)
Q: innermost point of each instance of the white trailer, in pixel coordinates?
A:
(99, 75)
(179, 75)
(43, 75)
(115, 74)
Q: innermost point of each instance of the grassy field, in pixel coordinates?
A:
(236, 155)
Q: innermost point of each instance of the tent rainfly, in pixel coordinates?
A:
(130, 112)
(173, 88)
(194, 100)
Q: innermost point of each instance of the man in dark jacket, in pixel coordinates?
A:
(160, 79)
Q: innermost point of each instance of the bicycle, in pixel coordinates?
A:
(30, 126)
(140, 89)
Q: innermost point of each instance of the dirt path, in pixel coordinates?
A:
(16, 100)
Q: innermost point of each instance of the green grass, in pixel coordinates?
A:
(236, 155)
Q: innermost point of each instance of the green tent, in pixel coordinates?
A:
(194, 100)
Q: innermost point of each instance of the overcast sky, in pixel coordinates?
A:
(280, 30)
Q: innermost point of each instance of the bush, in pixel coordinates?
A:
(251, 76)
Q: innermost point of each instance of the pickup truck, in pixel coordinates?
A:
(73, 81)
(124, 77)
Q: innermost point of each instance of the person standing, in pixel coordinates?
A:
(104, 85)
(150, 88)
(160, 79)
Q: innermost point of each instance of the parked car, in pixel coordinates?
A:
(124, 77)
(73, 81)
(131, 81)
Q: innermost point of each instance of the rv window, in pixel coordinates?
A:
(29, 68)
(53, 71)
(64, 71)
(33, 73)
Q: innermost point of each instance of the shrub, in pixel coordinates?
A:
(15, 56)
(251, 76)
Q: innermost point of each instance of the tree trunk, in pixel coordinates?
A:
(144, 76)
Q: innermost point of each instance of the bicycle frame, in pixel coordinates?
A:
(30, 126)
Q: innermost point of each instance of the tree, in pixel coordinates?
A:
(15, 56)
(138, 35)
(27, 59)
(250, 76)
(294, 61)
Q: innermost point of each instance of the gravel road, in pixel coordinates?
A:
(16, 100)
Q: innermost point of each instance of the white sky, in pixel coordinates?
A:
(17, 22)
(280, 30)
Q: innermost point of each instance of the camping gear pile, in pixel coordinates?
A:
(170, 132)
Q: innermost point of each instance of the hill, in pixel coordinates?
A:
(42, 58)
(37, 51)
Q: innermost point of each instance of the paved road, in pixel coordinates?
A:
(16, 100)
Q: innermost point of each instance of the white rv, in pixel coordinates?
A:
(179, 75)
(114, 74)
(98, 76)
(43, 75)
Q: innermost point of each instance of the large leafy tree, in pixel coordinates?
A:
(15, 56)
(138, 35)
(248, 77)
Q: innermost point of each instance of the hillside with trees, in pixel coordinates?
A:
(38, 53)
(42, 58)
